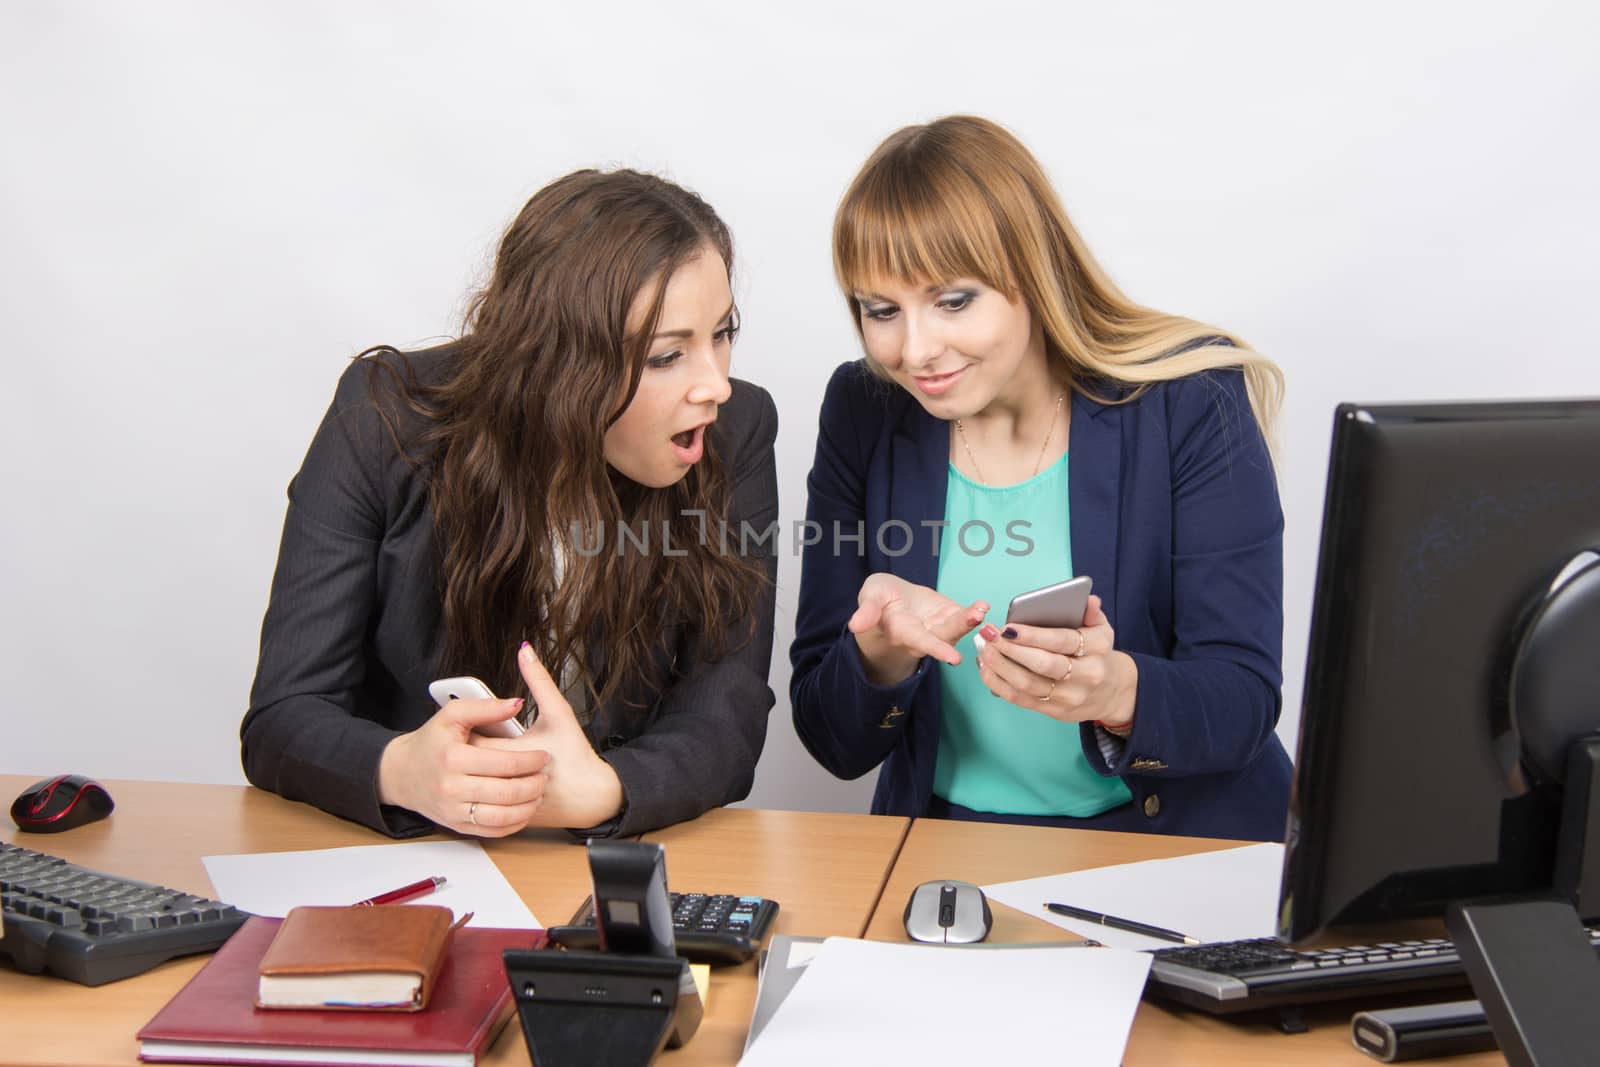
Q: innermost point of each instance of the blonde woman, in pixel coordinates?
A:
(1018, 420)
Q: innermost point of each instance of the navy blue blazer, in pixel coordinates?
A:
(1174, 513)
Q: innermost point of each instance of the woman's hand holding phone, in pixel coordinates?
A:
(474, 769)
(440, 771)
(1070, 674)
(1059, 606)
(466, 687)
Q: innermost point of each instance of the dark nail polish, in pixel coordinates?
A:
(1009, 633)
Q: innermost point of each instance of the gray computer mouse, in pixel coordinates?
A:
(948, 913)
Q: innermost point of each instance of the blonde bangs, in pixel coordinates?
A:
(916, 229)
(962, 198)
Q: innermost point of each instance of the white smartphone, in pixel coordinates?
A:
(1060, 606)
(466, 687)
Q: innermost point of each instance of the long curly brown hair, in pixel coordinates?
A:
(545, 365)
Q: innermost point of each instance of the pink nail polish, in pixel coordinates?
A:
(989, 632)
(516, 705)
(523, 646)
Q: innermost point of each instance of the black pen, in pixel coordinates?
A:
(1123, 924)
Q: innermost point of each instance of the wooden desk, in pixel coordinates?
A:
(984, 853)
(833, 874)
(825, 870)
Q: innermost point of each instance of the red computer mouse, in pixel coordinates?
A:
(60, 803)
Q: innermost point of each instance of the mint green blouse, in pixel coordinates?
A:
(993, 755)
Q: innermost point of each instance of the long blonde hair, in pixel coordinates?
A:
(962, 198)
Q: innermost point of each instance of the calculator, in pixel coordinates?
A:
(706, 927)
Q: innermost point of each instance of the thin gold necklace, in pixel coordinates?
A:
(961, 431)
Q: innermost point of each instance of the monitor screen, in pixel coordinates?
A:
(1443, 525)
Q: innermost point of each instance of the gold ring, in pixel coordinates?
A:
(1081, 642)
(472, 813)
(1050, 694)
(1064, 677)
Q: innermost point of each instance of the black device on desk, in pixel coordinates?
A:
(708, 928)
(1229, 977)
(64, 802)
(704, 927)
(1450, 739)
(91, 927)
(1395, 1035)
(620, 1005)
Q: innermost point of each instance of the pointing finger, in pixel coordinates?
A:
(958, 624)
(909, 632)
(546, 694)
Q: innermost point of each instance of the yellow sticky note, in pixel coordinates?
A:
(702, 978)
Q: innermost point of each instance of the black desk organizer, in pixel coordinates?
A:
(582, 1008)
(622, 1005)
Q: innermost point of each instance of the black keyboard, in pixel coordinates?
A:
(720, 928)
(95, 928)
(1233, 976)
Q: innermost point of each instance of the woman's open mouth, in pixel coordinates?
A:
(689, 445)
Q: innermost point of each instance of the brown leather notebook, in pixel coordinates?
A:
(381, 958)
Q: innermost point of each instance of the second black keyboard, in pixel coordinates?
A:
(1234, 976)
(708, 928)
(91, 927)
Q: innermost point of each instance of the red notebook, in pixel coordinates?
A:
(214, 1019)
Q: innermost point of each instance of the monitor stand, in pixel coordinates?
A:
(1529, 958)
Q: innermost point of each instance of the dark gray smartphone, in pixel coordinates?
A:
(1061, 606)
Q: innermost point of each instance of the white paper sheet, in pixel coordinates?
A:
(270, 883)
(801, 953)
(1215, 896)
(876, 1002)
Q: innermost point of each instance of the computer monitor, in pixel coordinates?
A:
(1454, 662)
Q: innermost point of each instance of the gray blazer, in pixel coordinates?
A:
(353, 634)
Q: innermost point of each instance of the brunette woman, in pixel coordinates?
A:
(557, 493)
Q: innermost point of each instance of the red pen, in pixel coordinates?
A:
(405, 892)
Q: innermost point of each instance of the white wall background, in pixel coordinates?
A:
(206, 209)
